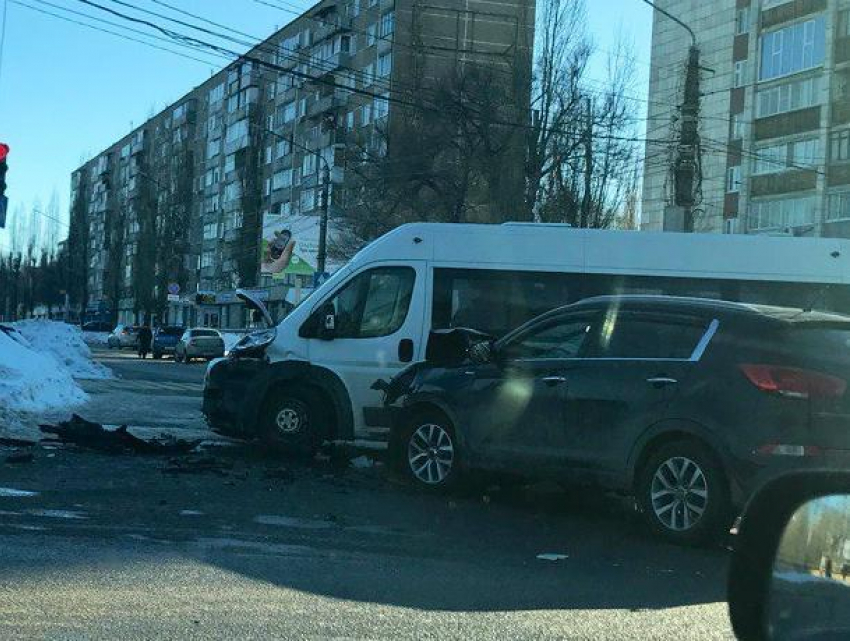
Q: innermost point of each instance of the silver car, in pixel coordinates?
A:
(199, 343)
(123, 336)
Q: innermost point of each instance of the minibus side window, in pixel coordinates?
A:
(374, 303)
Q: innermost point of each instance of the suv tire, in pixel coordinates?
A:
(426, 452)
(683, 493)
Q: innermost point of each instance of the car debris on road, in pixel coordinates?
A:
(94, 436)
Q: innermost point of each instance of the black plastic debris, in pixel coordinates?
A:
(93, 436)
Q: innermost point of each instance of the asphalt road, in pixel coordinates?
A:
(233, 544)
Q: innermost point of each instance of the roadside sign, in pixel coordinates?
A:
(174, 298)
(173, 288)
(319, 278)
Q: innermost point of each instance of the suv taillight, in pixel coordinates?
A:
(792, 382)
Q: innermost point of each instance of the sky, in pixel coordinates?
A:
(67, 91)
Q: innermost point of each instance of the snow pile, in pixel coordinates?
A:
(65, 344)
(39, 361)
(31, 381)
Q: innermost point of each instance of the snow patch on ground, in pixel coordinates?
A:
(38, 364)
(65, 344)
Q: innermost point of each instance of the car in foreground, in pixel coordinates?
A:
(199, 343)
(689, 404)
(123, 337)
(165, 340)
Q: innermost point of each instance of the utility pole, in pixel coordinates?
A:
(687, 160)
(322, 256)
(680, 217)
(588, 167)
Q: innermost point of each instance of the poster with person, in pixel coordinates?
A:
(290, 245)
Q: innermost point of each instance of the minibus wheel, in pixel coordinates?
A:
(289, 422)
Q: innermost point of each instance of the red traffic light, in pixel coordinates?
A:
(4, 151)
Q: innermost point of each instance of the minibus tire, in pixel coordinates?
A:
(289, 422)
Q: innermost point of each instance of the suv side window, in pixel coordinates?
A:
(636, 335)
(374, 303)
(561, 338)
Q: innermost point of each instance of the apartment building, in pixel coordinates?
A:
(186, 208)
(775, 116)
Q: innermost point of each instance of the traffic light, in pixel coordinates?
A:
(4, 202)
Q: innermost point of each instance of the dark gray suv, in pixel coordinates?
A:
(690, 404)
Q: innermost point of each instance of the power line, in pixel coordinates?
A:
(202, 44)
(102, 30)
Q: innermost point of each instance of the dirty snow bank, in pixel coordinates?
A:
(65, 344)
(38, 365)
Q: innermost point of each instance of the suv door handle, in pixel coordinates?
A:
(554, 380)
(661, 381)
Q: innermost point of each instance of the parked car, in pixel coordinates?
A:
(199, 343)
(690, 404)
(165, 340)
(123, 336)
(97, 326)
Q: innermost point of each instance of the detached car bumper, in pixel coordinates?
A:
(231, 401)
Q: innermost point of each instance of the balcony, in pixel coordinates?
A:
(330, 65)
(330, 102)
(331, 26)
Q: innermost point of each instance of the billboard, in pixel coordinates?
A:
(290, 245)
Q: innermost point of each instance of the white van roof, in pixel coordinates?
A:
(544, 247)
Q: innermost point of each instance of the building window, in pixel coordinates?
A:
(232, 191)
(838, 206)
(283, 148)
(308, 200)
(365, 115)
(237, 131)
(213, 148)
(806, 154)
(309, 164)
(207, 259)
(385, 64)
(372, 33)
(793, 49)
(382, 106)
(210, 231)
(770, 160)
(355, 8)
(784, 214)
(742, 21)
(790, 96)
(216, 94)
(740, 75)
(229, 163)
(733, 179)
(282, 180)
(213, 176)
(739, 127)
(387, 24)
(730, 225)
(843, 24)
(839, 145)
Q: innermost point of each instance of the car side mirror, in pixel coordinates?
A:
(790, 572)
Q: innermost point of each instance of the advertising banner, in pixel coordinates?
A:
(290, 245)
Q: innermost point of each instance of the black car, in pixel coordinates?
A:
(97, 326)
(690, 404)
